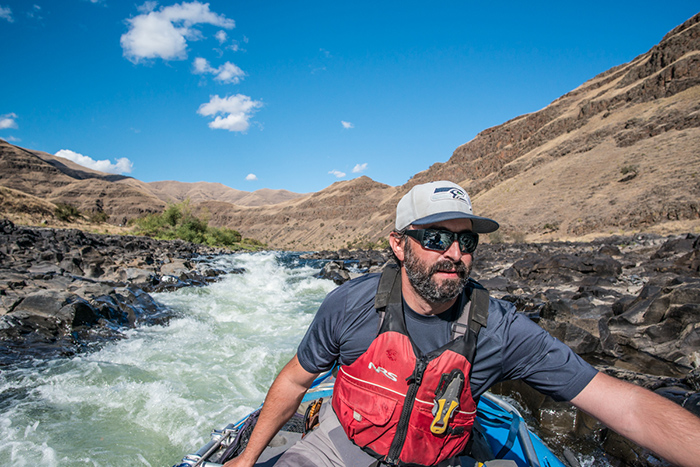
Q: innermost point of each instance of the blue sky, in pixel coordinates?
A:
(296, 95)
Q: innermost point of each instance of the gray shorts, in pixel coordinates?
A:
(329, 446)
(326, 446)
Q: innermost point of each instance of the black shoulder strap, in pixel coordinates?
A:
(475, 313)
(480, 298)
(389, 276)
(389, 285)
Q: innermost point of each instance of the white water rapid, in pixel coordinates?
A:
(155, 396)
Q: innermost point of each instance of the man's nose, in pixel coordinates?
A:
(453, 252)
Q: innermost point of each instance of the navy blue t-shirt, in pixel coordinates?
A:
(510, 347)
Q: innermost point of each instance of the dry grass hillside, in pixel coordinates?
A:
(329, 219)
(58, 180)
(52, 180)
(618, 154)
(205, 191)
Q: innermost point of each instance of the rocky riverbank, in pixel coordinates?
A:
(63, 291)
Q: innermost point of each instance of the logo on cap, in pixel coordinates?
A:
(449, 192)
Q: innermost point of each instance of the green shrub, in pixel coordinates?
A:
(66, 212)
(551, 227)
(171, 215)
(363, 243)
(98, 217)
(179, 222)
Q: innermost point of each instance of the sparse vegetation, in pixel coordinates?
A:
(363, 243)
(98, 217)
(179, 222)
(628, 169)
(66, 212)
(496, 237)
(517, 237)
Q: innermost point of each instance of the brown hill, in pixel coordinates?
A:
(206, 191)
(617, 154)
(56, 179)
(345, 211)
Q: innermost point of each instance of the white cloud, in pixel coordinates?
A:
(232, 113)
(251, 177)
(164, 33)
(201, 65)
(8, 121)
(337, 173)
(10, 139)
(35, 13)
(227, 73)
(359, 168)
(122, 166)
(6, 13)
(147, 6)
(221, 36)
(347, 125)
(235, 45)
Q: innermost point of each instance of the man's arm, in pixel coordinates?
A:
(281, 402)
(643, 417)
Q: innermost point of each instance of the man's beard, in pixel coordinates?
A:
(420, 275)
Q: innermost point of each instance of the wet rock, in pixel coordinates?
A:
(581, 341)
(629, 453)
(60, 290)
(563, 268)
(334, 270)
(664, 322)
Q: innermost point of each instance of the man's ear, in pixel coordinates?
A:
(397, 244)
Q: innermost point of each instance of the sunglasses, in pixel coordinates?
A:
(441, 240)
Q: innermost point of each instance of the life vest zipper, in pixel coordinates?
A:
(402, 426)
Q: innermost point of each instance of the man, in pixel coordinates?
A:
(427, 331)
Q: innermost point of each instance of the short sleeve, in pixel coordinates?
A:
(343, 327)
(513, 347)
(319, 348)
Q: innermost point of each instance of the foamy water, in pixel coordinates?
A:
(155, 396)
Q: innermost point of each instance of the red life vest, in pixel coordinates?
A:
(384, 400)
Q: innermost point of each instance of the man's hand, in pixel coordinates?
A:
(646, 418)
(281, 402)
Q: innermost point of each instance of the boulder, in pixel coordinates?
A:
(335, 271)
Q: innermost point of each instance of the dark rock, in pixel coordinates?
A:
(62, 289)
(334, 270)
(610, 250)
(563, 268)
(581, 341)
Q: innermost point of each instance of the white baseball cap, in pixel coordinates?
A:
(439, 201)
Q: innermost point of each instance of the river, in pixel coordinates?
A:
(154, 396)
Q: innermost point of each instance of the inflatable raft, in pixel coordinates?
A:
(500, 435)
